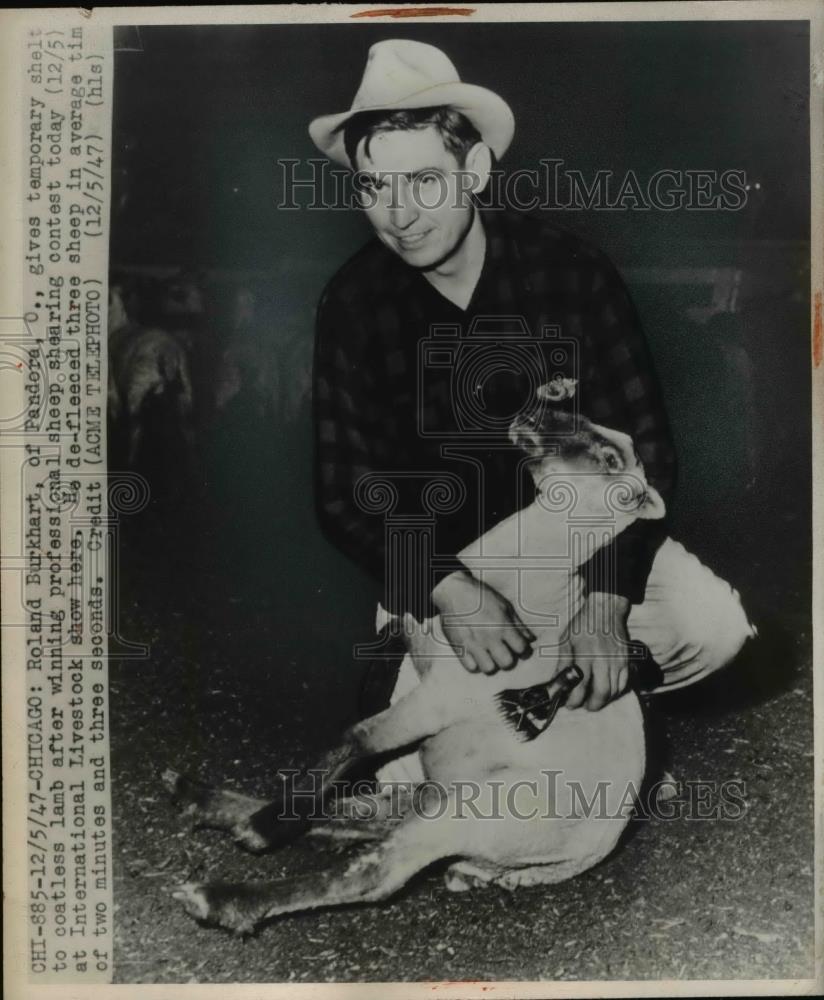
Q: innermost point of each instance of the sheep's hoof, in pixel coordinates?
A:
(220, 904)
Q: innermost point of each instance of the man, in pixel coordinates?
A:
(391, 412)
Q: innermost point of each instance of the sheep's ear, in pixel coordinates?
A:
(653, 507)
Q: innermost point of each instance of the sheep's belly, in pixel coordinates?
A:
(585, 762)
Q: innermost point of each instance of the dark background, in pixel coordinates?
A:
(203, 114)
(250, 615)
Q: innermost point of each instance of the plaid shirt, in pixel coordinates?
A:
(413, 397)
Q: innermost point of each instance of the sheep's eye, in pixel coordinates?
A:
(611, 460)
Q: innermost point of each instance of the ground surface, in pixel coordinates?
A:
(236, 687)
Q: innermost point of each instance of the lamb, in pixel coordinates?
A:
(590, 485)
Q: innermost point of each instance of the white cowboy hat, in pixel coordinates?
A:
(403, 74)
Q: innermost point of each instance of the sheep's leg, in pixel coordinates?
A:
(364, 817)
(208, 806)
(258, 824)
(414, 717)
(373, 875)
(254, 823)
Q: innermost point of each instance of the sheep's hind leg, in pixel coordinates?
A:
(210, 806)
(414, 717)
(291, 811)
(373, 875)
(260, 824)
(364, 817)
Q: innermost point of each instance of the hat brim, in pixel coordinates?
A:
(490, 115)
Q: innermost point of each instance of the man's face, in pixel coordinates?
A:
(416, 195)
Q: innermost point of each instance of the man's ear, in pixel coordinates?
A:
(479, 163)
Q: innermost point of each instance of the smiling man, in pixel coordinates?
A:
(388, 412)
(417, 171)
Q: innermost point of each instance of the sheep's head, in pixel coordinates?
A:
(600, 465)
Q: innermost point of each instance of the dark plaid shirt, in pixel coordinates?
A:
(413, 397)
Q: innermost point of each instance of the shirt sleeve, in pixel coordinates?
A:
(345, 444)
(356, 454)
(621, 391)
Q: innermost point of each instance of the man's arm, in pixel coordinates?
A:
(620, 391)
(347, 439)
(481, 625)
(354, 437)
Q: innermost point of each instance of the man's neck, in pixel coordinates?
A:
(457, 276)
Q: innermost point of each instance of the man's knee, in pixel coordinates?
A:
(730, 629)
(697, 625)
(713, 631)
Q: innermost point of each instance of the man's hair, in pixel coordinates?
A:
(457, 131)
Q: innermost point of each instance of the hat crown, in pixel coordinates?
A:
(398, 68)
(402, 75)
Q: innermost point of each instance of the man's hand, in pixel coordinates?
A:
(481, 625)
(599, 647)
